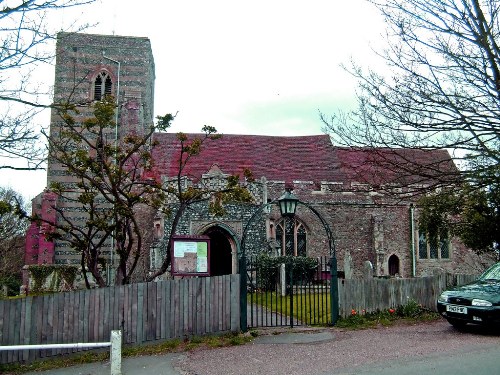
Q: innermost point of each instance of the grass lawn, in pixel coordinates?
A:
(309, 308)
(314, 309)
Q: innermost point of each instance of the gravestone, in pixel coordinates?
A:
(367, 270)
(348, 265)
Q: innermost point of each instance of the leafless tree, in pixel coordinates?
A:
(25, 32)
(12, 231)
(441, 89)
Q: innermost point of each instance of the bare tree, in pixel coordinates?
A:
(12, 231)
(442, 86)
(25, 32)
(440, 91)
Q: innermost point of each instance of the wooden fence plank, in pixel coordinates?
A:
(101, 337)
(235, 303)
(152, 314)
(176, 308)
(219, 304)
(106, 314)
(159, 310)
(160, 302)
(49, 300)
(4, 333)
(54, 298)
(137, 312)
(65, 324)
(26, 329)
(191, 306)
(184, 306)
(226, 317)
(208, 304)
(14, 320)
(199, 307)
(167, 328)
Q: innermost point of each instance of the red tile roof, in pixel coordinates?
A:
(377, 166)
(304, 158)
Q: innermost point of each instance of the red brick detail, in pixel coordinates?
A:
(32, 244)
(48, 213)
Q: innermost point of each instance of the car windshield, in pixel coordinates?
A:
(492, 273)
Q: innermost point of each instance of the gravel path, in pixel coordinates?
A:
(334, 349)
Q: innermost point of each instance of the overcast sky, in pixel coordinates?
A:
(247, 67)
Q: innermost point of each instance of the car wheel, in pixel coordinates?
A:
(456, 323)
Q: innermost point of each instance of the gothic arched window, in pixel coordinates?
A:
(292, 237)
(103, 85)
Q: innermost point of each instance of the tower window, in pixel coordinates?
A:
(103, 85)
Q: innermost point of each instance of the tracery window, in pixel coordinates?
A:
(438, 249)
(103, 85)
(291, 234)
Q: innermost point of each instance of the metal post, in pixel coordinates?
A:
(243, 294)
(282, 280)
(334, 290)
(291, 295)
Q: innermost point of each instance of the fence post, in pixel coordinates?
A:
(334, 290)
(291, 295)
(116, 352)
(243, 294)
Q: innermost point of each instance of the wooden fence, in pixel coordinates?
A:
(144, 312)
(379, 294)
(175, 308)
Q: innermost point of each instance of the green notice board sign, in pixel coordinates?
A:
(191, 256)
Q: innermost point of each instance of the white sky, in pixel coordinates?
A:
(246, 67)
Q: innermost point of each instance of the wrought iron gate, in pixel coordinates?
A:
(285, 291)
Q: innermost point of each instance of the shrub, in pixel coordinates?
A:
(301, 269)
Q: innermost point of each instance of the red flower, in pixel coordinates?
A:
(353, 312)
(392, 311)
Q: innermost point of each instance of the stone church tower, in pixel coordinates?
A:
(87, 68)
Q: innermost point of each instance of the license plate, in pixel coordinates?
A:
(456, 309)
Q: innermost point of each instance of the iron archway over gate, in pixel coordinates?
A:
(296, 292)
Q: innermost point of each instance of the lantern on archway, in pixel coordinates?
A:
(288, 204)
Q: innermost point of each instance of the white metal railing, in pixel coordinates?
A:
(115, 345)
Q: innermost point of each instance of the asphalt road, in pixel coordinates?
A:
(431, 348)
(473, 361)
(427, 348)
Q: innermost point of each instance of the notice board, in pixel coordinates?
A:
(191, 256)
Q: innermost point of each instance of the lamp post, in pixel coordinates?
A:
(288, 204)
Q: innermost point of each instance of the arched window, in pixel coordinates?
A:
(292, 237)
(103, 85)
(393, 265)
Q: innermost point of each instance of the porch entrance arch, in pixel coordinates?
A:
(222, 251)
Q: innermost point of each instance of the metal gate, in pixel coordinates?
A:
(285, 291)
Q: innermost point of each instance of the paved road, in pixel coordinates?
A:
(471, 361)
(430, 348)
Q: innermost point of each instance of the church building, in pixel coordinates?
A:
(366, 196)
